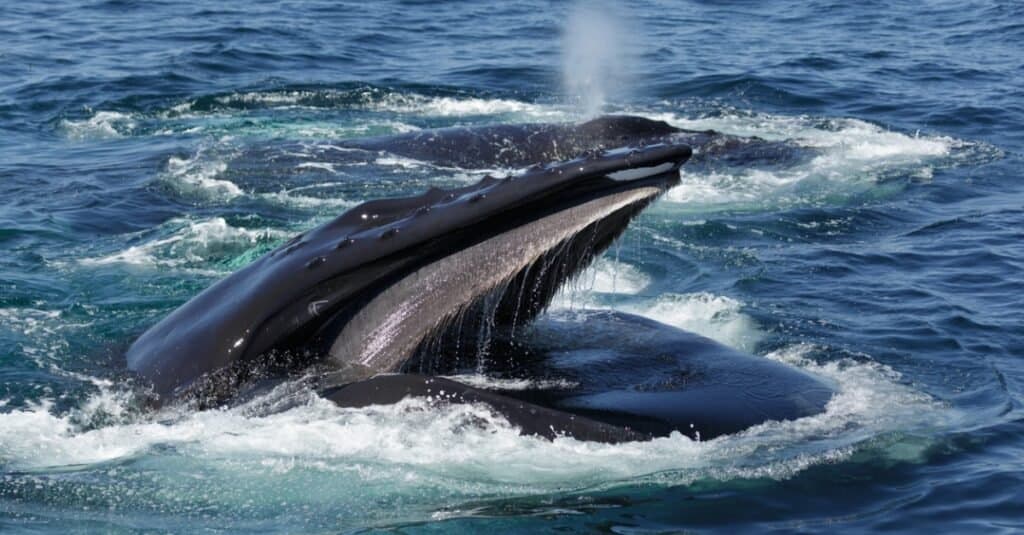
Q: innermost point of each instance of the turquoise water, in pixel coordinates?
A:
(150, 149)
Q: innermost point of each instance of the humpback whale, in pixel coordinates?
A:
(380, 299)
(520, 145)
(516, 146)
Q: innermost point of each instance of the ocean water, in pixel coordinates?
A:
(150, 148)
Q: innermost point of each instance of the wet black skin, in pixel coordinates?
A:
(636, 373)
(520, 145)
(295, 298)
(276, 316)
(515, 146)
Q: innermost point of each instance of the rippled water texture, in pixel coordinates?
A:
(149, 149)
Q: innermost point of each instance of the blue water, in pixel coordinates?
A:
(150, 148)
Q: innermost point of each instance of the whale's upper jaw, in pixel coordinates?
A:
(289, 293)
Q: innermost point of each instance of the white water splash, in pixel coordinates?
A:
(369, 99)
(847, 157)
(291, 197)
(496, 383)
(604, 276)
(717, 317)
(714, 316)
(190, 243)
(101, 125)
(416, 445)
(200, 176)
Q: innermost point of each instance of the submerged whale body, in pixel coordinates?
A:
(631, 372)
(515, 146)
(520, 145)
(369, 298)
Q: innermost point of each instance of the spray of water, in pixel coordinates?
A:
(593, 55)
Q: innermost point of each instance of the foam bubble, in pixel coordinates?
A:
(34, 437)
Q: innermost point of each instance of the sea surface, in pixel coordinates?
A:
(148, 149)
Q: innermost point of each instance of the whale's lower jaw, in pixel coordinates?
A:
(528, 418)
(606, 376)
(504, 279)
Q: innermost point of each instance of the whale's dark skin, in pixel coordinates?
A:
(520, 145)
(296, 298)
(634, 372)
(505, 146)
(372, 293)
(530, 418)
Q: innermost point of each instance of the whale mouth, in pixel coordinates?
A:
(367, 275)
(507, 275)
(502, 270)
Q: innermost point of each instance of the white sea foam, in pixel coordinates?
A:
(275, 98)
(102, 124)
(465, 449)
(399, 161)
(322, 166)
(187, 242)
(714, 316)
(497, 383)
(612, 276)
(291, 197)
(412, 103)
(27, 320)
(202, 176)
(717, 317)
(199, 175)
(324, 129)
(605, 275)
(748, 187)
(851, 156)
(374, 100)
(448, 106)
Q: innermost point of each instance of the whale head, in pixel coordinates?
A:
(363, 292)
(519, 145)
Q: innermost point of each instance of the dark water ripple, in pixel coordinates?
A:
(150, 148)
